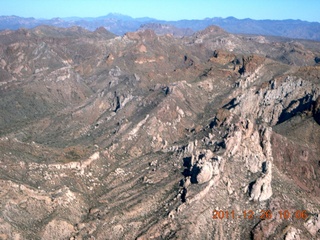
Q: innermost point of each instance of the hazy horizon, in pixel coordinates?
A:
(165, 10)
(125, 15)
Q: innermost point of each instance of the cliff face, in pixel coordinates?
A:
(213, 136)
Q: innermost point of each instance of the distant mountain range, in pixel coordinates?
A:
(120, 24)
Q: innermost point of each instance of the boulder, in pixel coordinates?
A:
(202, 172)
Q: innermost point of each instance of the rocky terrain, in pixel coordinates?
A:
(146, 136)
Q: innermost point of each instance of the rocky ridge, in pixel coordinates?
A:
(144, 136)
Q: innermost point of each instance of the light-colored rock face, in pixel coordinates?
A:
(281, 100)
(203, 172)
(261, 188)
(58, 230)
(313, 225)
(292, 234)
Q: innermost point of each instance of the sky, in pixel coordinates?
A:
(307, 10)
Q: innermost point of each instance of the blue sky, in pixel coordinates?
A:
(166, 9)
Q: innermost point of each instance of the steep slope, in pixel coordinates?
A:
(214, 136)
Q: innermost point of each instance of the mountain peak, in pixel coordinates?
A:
(145, 34)
(118, 16)
(213, 29)
(104, 32)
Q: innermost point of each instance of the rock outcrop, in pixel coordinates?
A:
(313, 225)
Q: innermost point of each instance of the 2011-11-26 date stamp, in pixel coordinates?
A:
(262, 214)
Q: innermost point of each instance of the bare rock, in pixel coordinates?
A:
(58, 229)
(216, 165)
(292, 233)
(261, 189)
(264, 229)
(7, 231)
(313, 224)
(316, 110)
(202, 172)
(95, 131)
